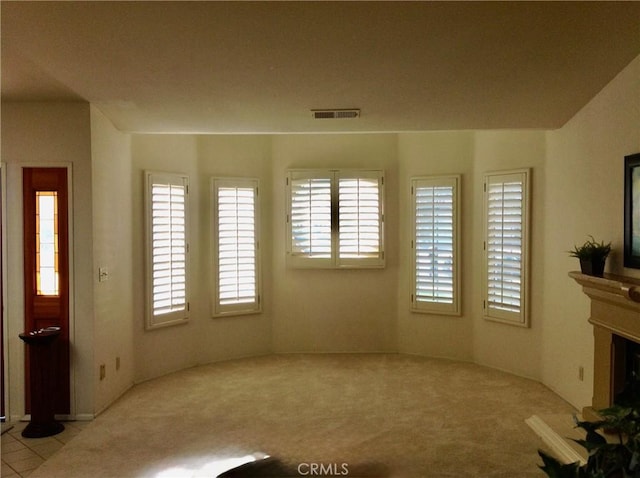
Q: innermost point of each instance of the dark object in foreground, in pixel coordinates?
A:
(39, 343)
(270, 467)
(618, 457)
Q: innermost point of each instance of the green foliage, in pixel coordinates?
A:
(591, 249)
(554, 469)
(617, 457)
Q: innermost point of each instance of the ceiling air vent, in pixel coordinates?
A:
(336, 114)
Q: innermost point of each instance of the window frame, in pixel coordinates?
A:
(334, 261)
(453, 308)
(181, 315)
(521, 316)
(243, 308)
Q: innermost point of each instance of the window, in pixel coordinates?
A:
(167, 249)
(435, 245)
(506, 220)
(335, 218)
(47, 271)
(235, 246)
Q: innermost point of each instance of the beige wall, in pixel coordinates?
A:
(335, 310)
(112, 250)
(503, 346)
(234, 156)
(576, 190)
(428, 154)
(470, 336)
(584, 195)
(203, 339)
(167, 349)
(41, 134)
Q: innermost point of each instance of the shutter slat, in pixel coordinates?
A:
(434, 243)
(505, 243)
(168, 252)
(359, 218)
(311, 216)
(236, 245)
(335, 218)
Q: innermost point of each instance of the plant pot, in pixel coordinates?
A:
(593, 267)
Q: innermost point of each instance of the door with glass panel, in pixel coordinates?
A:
(46, 269)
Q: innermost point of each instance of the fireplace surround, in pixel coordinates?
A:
(615, 316)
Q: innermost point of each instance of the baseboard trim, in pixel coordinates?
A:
(85, 417)
(81, 417)
(114, 399)
(555, 442)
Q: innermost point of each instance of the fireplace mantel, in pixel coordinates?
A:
(615, 316)
(622, 289)
(613, 291)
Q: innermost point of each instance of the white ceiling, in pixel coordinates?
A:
(256, 67)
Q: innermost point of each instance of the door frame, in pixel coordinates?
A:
(3, 252)
(72, 367)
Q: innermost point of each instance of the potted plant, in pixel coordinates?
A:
(616, 457)
(592, 256)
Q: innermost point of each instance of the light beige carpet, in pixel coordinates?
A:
(394, 415)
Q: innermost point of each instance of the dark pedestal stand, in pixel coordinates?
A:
(39, 343)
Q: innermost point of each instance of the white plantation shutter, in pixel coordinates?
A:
(167, 257)
(435, 245)
(235, 246)
(335, 218)
(360, 216)
(506, 244)
(310, 215)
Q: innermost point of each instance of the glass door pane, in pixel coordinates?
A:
(47, 273)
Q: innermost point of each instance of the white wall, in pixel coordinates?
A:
(166, 349)
(46, 134)
(508, 347)
(353, 311)
(428, 154)
(470, 336)
(584, 184)
(203, 339)
(335, 310)
(112, 250)
(234, 156)
(577, 190)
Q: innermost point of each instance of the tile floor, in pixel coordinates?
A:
(21, 456)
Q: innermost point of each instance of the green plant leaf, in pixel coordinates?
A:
(591, 249)
(618, 457)
(591, 426)
(555, 469)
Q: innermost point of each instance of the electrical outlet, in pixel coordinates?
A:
(103, 371)
(117, 363)
(581, 373)
(103, 274)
